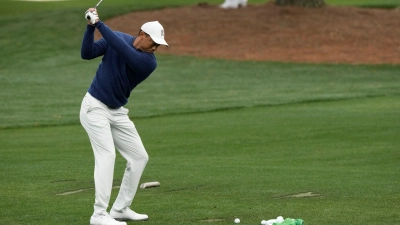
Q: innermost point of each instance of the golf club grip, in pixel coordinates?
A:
(97, 5)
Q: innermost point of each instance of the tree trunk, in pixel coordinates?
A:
(303, 3)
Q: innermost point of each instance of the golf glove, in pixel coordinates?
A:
(91, 16)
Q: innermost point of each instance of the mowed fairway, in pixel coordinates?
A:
(226, 139)
(216, 166)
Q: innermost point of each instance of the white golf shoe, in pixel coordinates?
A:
(104, 219)
(230, 4)
(233, 4)
(127, 215)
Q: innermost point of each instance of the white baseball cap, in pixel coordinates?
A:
(156, 32)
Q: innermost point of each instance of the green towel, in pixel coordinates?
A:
(289, 221)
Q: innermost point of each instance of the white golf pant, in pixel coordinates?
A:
(109, 129)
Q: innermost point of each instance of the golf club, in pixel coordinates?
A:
(88, 17)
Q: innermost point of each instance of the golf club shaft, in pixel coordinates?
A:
(98, 4)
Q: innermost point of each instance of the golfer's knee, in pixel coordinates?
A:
(138, 162)
(144, 157)
(141, 157)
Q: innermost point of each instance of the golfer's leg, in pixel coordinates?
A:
(98, 129)
(129, 144)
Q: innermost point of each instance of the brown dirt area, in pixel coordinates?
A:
(266, 32)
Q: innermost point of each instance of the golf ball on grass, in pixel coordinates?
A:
(237, 220)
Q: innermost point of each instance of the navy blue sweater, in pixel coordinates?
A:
(122, 68)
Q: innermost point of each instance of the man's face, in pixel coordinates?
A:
(146, 44)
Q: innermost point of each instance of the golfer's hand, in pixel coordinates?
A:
(91, 16)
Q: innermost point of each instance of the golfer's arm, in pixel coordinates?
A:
(91, 49)
(132, 58)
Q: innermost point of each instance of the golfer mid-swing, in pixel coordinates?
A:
(127, 61)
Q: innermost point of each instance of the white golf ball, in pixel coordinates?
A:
(237, 220)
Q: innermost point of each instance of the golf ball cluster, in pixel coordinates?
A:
(278, 219)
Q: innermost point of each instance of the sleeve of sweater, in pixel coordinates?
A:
(140, 62)
(91, 49)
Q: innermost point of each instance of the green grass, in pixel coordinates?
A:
(181, 85)
(226, 139)
(221, 165)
